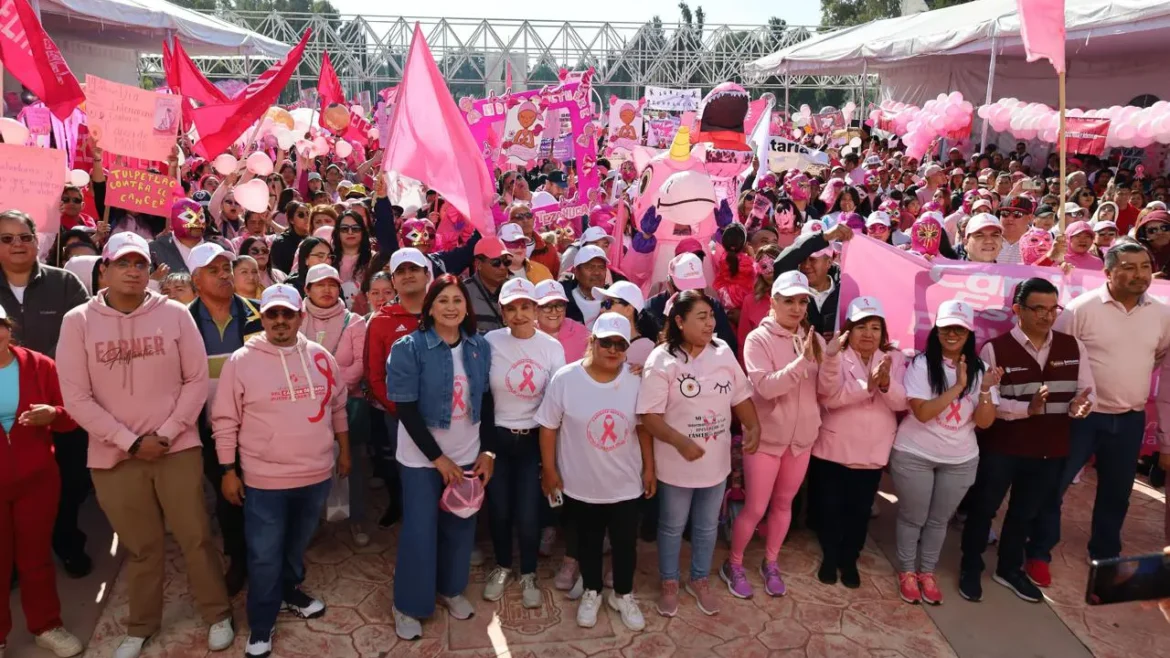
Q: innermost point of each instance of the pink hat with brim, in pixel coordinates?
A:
(1076, 228)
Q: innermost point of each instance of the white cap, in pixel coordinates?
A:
(626, 291)
(613, 325)
(953, 313)
(541, 199)
(1073, 207)
(865, 307)
(791, 283)
(686, 272)
(587, 253)
(980, 202)
(515, 290)
(408, 255)
(878, 217)
(280, 295)
(981, 221)
(121, 244)
(1103, 224)
(593, 234)
(814, 226)
(549, 291)
(320, 272)
(203, 254)
(511, 233)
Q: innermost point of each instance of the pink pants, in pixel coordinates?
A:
(770, 482)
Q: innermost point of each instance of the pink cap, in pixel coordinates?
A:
(686, 271)
(952, 313)
(1076, 228)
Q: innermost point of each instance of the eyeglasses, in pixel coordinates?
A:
(71, 199)
(349, 228)
(555, 307)
(613, 344)
(328, 258)
(257, 251)
(280, 313)
(25, 238)
(610, 303)
(126, 264)
(1046, 310)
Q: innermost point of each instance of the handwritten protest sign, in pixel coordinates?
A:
(31, 179)
(140, 191)
(131, 121)
(675, 100)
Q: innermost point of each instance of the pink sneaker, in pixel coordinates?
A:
(699, 589)
(668, 599)
(908, 587)
(566, 575)
(930, 591)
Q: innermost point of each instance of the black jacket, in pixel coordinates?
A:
(656, 308)
(284, 249)
(51, 293)
(164, 251)
(824, 319)
(453, 261)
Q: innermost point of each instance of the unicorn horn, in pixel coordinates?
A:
(680, 149)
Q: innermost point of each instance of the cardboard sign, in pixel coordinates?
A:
(130, 121)
(661, 132)
(674, 100)
(38, 120)
(558, 216)
(625, 125)
(31, 179)
(1086, 135)
(140, 191)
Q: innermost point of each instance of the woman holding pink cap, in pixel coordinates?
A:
(934, 458)
(782, 357)
(551, 303)
(1079, 254)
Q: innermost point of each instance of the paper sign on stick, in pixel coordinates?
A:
(31, 179)
(140, 191)
(130, 121)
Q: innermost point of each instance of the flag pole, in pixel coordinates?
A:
(1060, 136)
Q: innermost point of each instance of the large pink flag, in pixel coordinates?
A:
(1042, 29)
(429, 140)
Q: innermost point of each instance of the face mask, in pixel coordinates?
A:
(186, 216)
(1035, 245)
(925, 236)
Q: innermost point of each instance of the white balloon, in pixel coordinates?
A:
(358, 110)
(225, 164)
(343, 148)
(260, 164)
(284, 138)
(855, 142)
(79, 177)
(374, 134)
(13, 131)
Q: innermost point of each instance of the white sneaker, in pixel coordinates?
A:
(628, 607)
(259, 647)
(407, 628)
(532, 595)
(360, 538)
(60, 641)
(221, 635)
(130, 647)
(578, 589)
(458, 606)
(587, 609)
(497, 582)
(476, 557)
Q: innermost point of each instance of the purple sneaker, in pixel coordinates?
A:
(736, 579)
(773, 583)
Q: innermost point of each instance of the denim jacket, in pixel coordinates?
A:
(420, 370)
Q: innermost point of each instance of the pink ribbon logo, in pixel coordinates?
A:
(527, 382)
(457, 403)
(953, 413)
(608, 434)
(322, 363)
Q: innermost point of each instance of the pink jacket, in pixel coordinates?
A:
(345, 340)
(785, 389)
(127, 375)
(281, 406)
(858, 425)
(574, 338)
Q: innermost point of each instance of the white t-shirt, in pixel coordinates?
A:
(590, 308)
(948, 438)
(598, 454)
(460, 441)
(520, 372)
(18, 292)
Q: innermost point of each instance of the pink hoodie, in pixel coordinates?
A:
(346, 341)
(858, 425)
(785, 389)
(125, 375)
(283, 427)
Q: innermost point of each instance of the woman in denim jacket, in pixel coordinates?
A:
(438, 378)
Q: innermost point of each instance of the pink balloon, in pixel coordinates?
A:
(1126, 132)
(253, 195)
(343, 149)
(259, 163)
(320, 145)
(225, 164)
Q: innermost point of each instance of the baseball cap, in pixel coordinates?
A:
(490, 248)
(873, 161)
(791, 283)
(1021, 203)
(511, 233)
(549, 291)
(321, 272)
(593, 234)
(344, 183)
(878, 217)
(280, 295)
(202, 255)
(1071, 207)
(981, 202)
(1076, 228)
(314, 176)
(686, 272)
(516, 289)
(1045, 210)
(688, 246)
(1102, 225)
(408, 255)
(952, 313)
(121, 244)
(865, 307)
(557, 178)
(981, 221)
(358, 188)
(625, 291)
(932, 170)
(587, 253)
(612, 325)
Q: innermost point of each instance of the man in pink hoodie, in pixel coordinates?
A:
(281, 402)
(134, 374)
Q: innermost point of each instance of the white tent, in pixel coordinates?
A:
(1113, 52)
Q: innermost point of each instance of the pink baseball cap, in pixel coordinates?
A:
(981, 221)
(321, 272)
(1076, 228)
(953, 313)
(515, 290)
(686, 271)
(550, 291)
(124, 244)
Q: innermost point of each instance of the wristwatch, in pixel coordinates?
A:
(135, 446)
(489, 454)
(228, 468)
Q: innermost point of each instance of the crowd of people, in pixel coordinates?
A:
(526, 377)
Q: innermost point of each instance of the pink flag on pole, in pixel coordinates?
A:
(1042, 29)
(430, 141)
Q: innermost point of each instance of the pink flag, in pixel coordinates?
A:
(508, 76)
(429, 140)
(1042, 29)
(29, 55)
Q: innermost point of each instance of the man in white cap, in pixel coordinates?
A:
(594, 235)
(685, 272)
(935, 178)
(811, 254)
(984, 239)
(590, 266)
(134, 374)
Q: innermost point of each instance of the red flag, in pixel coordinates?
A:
(219, 125)
(1086, 135)
(31, 57)
(329, 90)
(191, 81)
(430, 141)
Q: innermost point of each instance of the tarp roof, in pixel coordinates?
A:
(143, 25)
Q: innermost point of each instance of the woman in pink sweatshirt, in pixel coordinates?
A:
(782, 357)
(550, 317)
(860, 389)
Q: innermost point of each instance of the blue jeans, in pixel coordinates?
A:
(676, 505)
(278, 525)
(513, 498)
(1116, 440)
(434, 547)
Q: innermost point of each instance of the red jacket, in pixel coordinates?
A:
(546, 254)
(27, 451)
(390, 323)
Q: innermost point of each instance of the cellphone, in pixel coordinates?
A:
(1033, 185)
(1124, 579)
(555, 499)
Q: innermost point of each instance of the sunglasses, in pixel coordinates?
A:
(25, 238)
(257, 251)
(610, 303)
(71, 199)
(516, 244)
(349, 228)
(522, 215)
(1011, 213)
(280, 314)
(613, 344)
(1150, 230)
(502, 261)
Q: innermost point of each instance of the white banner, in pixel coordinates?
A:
(785, 154)
(675, 100)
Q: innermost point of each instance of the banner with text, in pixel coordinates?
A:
(1086, 135)
(141, 191)
(675, 100)
(131, 121)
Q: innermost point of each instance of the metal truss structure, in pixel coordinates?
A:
(474, 54)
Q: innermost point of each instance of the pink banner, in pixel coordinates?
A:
(141, 191)
(30, 180)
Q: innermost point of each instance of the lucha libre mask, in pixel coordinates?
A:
(187, 219)
(1035, 245)
(926, 235)
(417, 233)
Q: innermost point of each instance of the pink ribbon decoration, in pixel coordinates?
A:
(953, 412)
(322, 363)
(527, 382)
(457, 402)
(608, 433)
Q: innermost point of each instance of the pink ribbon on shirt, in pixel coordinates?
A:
(322, 363)
(608, 433)
(953, 414)
(527, 382)
(457, 399)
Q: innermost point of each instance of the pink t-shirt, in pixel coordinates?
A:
(695, 397)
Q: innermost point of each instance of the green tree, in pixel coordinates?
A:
(840, 13)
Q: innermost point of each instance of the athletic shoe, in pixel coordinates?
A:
(258, 646)
(628, 607)
(302, 605)
(773, 583)
(930, 591)
(668, 599)
(458, 606)
(908, 587)
(221, 635)
(736, 579)
(971, 585)
(531, 595)
(587, 609)
(850, 577)
(497, 582)
(60, 641)
(407, 628)
(130, 647)
(1038, 573)
(1017, 582)
(548, 537)
(701, 590)
(566, 575)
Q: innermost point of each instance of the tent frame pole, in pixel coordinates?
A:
(786, 105)
(990, 87)
(861, 104)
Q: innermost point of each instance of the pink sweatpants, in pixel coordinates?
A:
(770, 482)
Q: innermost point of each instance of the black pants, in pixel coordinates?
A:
(231, 517)
(71, 450)
(514, 497)
(844, 498)
(593, 520)
(1032, 481)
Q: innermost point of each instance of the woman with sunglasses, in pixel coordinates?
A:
(312, 251)
(259, 251)
(756, 306)
(438, 380)
(1087, 199)
(551, 304)
(536, 250)
(1153, 231)
(352, 254)
(595, 461)
(625, 299)
(72, 204)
